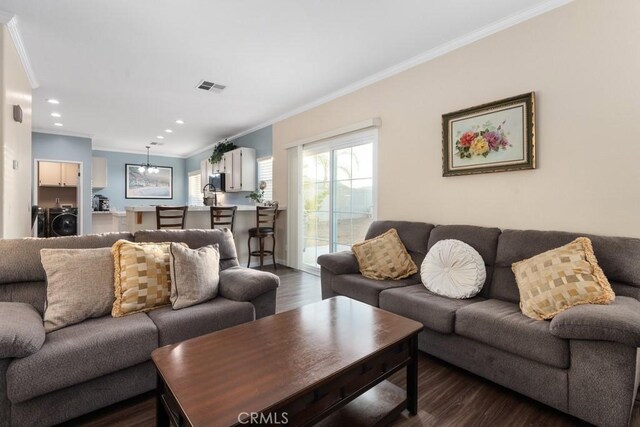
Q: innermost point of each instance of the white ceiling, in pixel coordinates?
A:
(125, 70)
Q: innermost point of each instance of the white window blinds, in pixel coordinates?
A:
(195, 188)
(265, 173)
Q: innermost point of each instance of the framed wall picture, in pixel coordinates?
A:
(494, 137)
(148, 185)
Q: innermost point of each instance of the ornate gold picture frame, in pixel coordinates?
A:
(494, 137)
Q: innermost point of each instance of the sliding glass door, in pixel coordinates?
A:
(337, 194)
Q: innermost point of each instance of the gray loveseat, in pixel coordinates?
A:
(583, 362)
(101, 361)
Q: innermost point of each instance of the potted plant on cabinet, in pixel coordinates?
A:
(219, 150)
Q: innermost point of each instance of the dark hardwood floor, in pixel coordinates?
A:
(449, 396)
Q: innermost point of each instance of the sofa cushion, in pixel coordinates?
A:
(384, 257)
(433, 311)
(617, 256)
(21, 330)
(80, 353)
(482, 239)
(556, 280)
(20, 260)
(366, 290)
(196, 238)
(414, 236)
(179, 325)
(502, 325)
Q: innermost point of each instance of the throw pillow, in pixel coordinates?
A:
(79, 285)
(453, 269)
(142, 276)
(195, 274)
(384, 257)
(561, 278)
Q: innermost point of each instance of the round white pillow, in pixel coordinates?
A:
(453, 269)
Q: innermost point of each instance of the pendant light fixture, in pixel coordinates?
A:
(148, 168)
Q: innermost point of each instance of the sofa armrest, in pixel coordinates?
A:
(245, 284)
(21, 330)
(618, 321)
(340, 262)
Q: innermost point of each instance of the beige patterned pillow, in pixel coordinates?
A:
(384, 257)
(142, 279)
(556, 280)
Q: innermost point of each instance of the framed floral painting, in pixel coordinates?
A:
(494, 137)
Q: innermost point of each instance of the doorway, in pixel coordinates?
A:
(57, 191)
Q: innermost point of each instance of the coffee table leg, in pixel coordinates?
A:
(412, 377)
(162, 418)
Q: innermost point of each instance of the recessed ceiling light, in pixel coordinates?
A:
(160, 137)
(180, 121)
(168, 131)
(57, 124)
(56, 115)
(53, 101)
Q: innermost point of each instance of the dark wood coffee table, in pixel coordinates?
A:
(325, 363)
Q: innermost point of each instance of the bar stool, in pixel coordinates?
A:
(223, 216)
(265, 226)
(171, 216)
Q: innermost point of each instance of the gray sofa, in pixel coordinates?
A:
(101, 361)
(583, 362)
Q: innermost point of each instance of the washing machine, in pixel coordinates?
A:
(43, 226)
(63, 222)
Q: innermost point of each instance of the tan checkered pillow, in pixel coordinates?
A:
(384, 257)
(558, 279)
(142, 279)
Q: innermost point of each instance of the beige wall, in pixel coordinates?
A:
(15, 144)
(583, 62)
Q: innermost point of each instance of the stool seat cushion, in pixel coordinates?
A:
(263, 230)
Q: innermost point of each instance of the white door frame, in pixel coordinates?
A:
(79, 189)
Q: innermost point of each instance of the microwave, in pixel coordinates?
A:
(217, 181)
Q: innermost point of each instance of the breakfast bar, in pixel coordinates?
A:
(144, 218)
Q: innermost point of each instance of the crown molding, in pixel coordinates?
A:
(62, 133)
(11, 21)
(427, 56)
(115, 150)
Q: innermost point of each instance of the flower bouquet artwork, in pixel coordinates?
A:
(493, 137)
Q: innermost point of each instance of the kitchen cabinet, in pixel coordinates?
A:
(217, 167)
(53, 174)
(240, 167)
(206, 169)
(98, 172)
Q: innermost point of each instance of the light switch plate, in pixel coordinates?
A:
(16, 164)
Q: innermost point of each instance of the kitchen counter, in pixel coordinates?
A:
(198, 217)
(241, 208)
(108, 221)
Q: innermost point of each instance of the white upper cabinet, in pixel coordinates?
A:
(240, 167)
(98, 172)
(206, 169)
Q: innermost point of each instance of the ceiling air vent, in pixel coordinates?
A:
(156, 143)
(210, 86)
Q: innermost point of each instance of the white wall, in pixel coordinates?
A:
(15, 143)
(583, 62)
